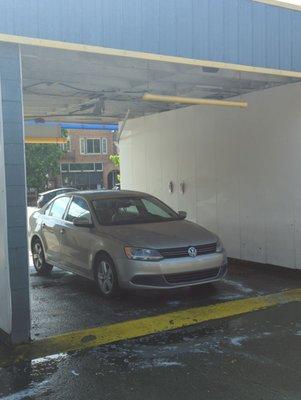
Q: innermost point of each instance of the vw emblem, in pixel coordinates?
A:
(192, 252)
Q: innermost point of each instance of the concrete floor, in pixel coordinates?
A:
(65, 302)
(254, 356)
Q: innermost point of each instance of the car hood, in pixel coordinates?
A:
(162, 235)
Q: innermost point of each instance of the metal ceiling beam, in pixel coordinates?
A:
(54, 44)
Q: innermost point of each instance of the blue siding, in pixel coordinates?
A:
(245, 32)
(259, 32)
(216, 23)
(184, 35)
(167, 27)
(296, 41)
(230, 24)
(200, 29)
(272, 36)
(150, 32)
(236, 31)
(285, 37)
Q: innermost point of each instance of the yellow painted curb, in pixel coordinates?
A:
(94, 337)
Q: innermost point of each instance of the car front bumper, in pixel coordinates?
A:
(171, 273)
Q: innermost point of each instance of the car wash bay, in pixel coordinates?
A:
(251, 316)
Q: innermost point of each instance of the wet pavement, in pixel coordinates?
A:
(255, 356)
(64, 302)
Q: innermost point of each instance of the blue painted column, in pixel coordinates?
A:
(14, 276)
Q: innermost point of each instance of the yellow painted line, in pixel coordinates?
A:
(47, 140)
(279, 3)
(139, 55)
(94, 337)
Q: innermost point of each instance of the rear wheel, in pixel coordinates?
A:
(106, 277)
(38, 256)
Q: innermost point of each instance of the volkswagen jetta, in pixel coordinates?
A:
(124, 239)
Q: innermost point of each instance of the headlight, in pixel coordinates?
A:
(135, 253)
(219, 246)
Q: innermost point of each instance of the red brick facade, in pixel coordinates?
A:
(74, 156)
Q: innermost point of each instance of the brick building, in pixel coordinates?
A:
(86, 163)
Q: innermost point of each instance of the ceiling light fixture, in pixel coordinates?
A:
(193, 101)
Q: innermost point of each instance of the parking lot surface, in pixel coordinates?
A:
(252, 356)
(65, 302)
(252, 353)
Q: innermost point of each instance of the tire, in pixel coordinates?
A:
(38, 257)
(106, 278)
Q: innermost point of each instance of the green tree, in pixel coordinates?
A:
(42, 163)
(115, 158)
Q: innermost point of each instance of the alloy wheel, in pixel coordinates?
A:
(105, 277)
(38, 256)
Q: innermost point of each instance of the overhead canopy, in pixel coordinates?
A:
(64, 85)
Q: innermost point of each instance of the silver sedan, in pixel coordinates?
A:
(124, 240)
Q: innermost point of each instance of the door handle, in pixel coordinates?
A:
(62, 231)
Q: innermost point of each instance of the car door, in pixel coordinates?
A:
(76, 241)
(51, 227)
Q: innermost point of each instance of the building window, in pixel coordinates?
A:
(75, 168)
(104, 143)
(82, 146)
(67, 146)
(81, 167)
(65, 167)
(93, 146)
(98, 167)
(88, 167)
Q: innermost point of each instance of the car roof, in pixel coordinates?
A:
(105, 194)
(56, 190)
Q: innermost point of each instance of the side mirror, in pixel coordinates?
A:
(182, 214)
(85, 222)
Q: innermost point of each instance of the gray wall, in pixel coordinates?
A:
(14, 225)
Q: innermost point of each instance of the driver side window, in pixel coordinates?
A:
(78, 209)
(58, 207)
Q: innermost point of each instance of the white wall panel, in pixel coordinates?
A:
(206, 176)
(186, 162)
(167, 128)
(126, 161)
(242, 170)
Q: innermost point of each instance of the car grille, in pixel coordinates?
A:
(175, 279)
(183, 251)
(187, 277)
(148, 280)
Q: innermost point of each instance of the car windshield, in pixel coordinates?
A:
(132, 210)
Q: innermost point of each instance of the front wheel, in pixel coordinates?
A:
(106, 277)
(38, 256)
